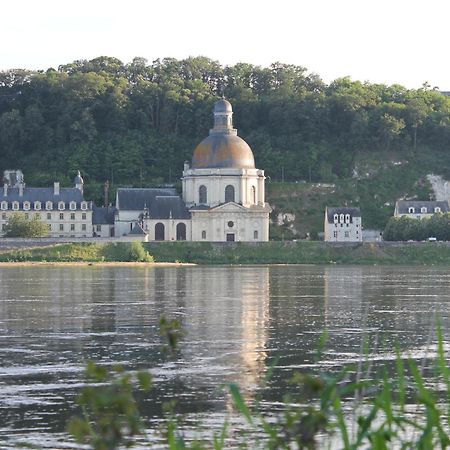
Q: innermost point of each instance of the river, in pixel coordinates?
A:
(236, 322)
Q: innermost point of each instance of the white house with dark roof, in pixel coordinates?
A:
(417, 209)
(64, 210)
(342, 225)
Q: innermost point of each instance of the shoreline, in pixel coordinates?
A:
(94, 264)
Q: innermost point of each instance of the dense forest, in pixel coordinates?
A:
(135, 124)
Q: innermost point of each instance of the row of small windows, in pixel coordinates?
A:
(37, 206)
(229, 194)
(60, 227)
(49, 216)
(341, 218)
(423, 210)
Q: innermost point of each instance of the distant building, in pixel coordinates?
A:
(223, 198)
(416, 209)
(64, 210)
(342, 225)
(222, 194)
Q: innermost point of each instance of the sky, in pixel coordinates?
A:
(392, 42)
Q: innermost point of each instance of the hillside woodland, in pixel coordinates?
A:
(135, 124)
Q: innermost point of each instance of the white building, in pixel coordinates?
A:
(64, 210)
(416, 209)
(342, 225)
(223, 189)
(222, 194)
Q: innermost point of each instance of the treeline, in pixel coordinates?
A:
(408, 229)
(136, 123)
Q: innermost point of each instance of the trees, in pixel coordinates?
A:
(299, 123)
(408, 229)
(19, 226)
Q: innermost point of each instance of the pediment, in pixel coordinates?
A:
(229, 207)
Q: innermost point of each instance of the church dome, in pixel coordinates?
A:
(223, 148)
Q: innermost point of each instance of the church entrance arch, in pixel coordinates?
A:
(159, 232)
(181, 232)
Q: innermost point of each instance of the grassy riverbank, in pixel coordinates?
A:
(80, 252)
(304, 252)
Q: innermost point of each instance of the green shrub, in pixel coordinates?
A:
(126, 251)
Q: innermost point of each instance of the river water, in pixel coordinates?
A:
(236, 322)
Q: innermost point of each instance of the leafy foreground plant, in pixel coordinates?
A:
(316, 411)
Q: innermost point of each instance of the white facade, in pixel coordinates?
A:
(63, 210)
(342, 225)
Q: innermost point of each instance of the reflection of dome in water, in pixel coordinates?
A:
(223, 148)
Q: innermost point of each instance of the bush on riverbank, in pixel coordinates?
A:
(82, 252)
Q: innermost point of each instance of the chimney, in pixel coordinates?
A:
(56, 188)
(5, 189)
(20, 189)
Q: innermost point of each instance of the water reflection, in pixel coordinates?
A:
(237, 320)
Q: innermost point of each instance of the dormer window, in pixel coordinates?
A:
(26, 206)
(84, 206)
(437, 209)
(4, 206)
(61, 206)
(37, 206)
(73, 206)
(423, 210)
(335, 218)
(347, 218)
(48, 206)
(15, 206)
(411, 210)
(341, 218)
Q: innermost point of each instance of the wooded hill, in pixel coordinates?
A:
(135, 124)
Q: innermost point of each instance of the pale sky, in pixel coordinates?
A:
(382, 41)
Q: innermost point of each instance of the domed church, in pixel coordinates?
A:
(223, 190)
(222, 200)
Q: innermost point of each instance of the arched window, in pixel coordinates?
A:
(255, 234)
(48, 206)
(423, 210)
(73, 206)
(61, 206)
(15, 206)
(37, 206)
(253, 190)
(229, 193)
(335, 218)
(84, 206)
(181, 232)
(159, 232)
(4, 206)
(411, 210)
(202, 194)
(347, 218)
(26, 206)
(203, 234)
(341, 218)
(437, 209)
